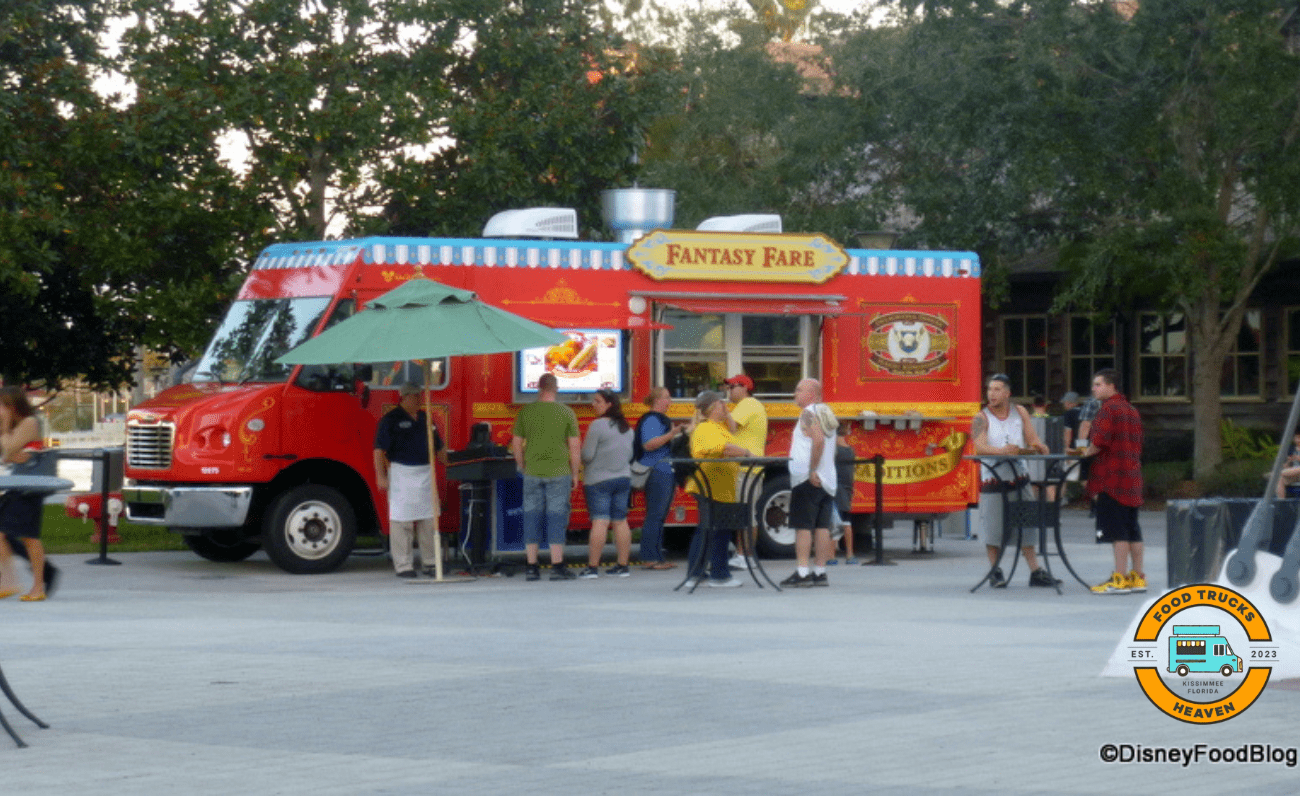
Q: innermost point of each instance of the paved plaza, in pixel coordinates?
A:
(173, 675)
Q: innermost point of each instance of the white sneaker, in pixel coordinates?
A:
(737, 562)
(729, 583)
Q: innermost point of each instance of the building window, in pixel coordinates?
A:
(1292, 349)
(1241, 368)
(1092, 347)
(1162, 355)
(1024, 353)
(701, 350)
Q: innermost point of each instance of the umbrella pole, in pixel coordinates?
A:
(433, 466)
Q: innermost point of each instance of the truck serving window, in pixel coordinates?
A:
(701, 350)
(255, 332)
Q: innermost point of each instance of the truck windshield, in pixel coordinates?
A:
(254, 333)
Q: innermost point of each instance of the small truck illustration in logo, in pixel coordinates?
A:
(1200, 648)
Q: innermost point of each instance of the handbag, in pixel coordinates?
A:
(640, 474)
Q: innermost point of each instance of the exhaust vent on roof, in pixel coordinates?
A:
(535, 222)
(746, 222)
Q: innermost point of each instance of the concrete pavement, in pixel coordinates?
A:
(170, 674)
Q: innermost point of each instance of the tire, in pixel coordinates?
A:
(1226, 671)
(309, 530)
(775, 534)
(225, 545)
(1183, 670)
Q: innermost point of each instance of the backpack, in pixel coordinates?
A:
(637, 449)
(680, 448)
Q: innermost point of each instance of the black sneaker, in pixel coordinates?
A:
(996, 579)
(586, 574)
(561, 572)
(1039, 577)
(406, 573)
(797, 581)
(819, 580)
(532, 572)
(619, 571)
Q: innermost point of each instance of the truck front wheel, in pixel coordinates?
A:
(222, 544)
(775, 534)
(309, 530)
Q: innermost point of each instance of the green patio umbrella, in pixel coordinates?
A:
(422, 320)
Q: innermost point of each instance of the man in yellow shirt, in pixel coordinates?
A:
(748, 422)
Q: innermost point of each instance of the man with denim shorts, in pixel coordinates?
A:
(812, 485)
(546, 447)
(1115, 445)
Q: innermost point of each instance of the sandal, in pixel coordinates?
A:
(32, 598)
(8, 593)
(661, 565)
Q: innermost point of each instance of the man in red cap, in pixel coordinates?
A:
(747, 421)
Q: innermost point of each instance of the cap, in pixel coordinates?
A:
(1070, 397)
(706, 399)
(409, 389)
(742, 380)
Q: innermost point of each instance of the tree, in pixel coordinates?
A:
(753, 125)
(317, 95)
(1153, 145)
(111, 218)
(547, 109)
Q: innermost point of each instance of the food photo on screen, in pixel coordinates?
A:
(589, 360)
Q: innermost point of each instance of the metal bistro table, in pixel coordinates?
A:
(725, 517)
(1039, 511)
(41, 485)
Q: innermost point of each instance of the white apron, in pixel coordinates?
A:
(410, 492)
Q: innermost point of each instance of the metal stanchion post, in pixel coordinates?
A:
(102, 520)
(878, 464)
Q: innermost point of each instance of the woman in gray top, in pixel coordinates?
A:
(607, 482)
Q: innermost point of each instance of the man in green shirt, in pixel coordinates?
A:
(546, 446)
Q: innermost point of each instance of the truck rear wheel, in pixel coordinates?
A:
(775, 534)
(222, 544)
(309, 530)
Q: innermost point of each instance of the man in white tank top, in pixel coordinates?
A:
(1003, 427)
(812, 485)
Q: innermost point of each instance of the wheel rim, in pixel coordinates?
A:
(776, 519)
(312, 529)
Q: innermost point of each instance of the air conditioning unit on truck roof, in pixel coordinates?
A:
(535, 222)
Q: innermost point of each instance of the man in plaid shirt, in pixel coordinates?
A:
(1115, 443)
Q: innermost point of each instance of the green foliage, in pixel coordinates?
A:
(1154, 145)
(546, 110)
(1239, 478)
(108, 211)
(1161, 480)
(1246, 443)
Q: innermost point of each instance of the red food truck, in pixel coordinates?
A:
(250, 454)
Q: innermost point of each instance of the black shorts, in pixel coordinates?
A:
(20, 515)
(811, 507)
(1115, 521)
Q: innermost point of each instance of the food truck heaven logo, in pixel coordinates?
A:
(908, 343)
(1202, 653)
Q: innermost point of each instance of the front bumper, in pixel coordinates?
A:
(188, 506)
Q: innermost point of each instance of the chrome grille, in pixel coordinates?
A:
(149, 447)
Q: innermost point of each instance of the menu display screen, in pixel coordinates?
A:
(590, 360)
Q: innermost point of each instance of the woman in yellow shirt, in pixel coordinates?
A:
(712, 440)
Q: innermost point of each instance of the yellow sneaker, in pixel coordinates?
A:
(1115, 584)
(1136, 582)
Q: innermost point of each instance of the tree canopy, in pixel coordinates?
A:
(114, 228)
(1152, 146)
